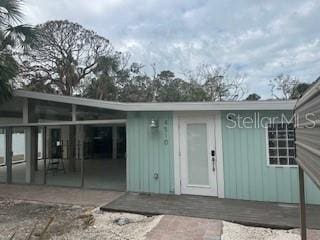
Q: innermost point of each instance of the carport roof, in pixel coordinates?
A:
(164, 106)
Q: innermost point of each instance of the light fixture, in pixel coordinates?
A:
(154, 123)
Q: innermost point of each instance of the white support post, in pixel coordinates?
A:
(31, 142)
(114, 142)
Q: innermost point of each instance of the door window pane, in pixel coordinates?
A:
(197, 154)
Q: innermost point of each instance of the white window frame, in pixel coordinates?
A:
(267, 150)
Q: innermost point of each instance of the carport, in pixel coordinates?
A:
(63, 141)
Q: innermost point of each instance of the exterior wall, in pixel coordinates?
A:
(150, 152)
(246, 171)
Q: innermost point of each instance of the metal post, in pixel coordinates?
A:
(8, 154)
(82, 164)
(302, 205)
(114, 142)
(44, 154)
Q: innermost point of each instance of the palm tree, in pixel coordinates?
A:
(13, 37)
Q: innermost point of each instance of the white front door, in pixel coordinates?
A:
(197, 156)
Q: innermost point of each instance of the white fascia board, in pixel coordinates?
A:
(168, 106)
(71, 100)
(209, 106)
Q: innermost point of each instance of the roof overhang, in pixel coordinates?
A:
(308, 133)
(167, 106)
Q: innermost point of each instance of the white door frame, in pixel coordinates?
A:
(216, 115)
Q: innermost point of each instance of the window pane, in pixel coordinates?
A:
(281, 126)
(283, 161)
(272, 143)
(292, 161)
(272, 127)
(291, 134)
(272, 135)
(282, 152)
(273, 161)
(282, 143)
(290, 126)
(291, 152)
(91, 113)
(282, 135)
(273, 152)
(291, 143)
(197, 154)
(45, 111)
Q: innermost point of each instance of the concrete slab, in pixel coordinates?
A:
(187, 228)
(62, 195)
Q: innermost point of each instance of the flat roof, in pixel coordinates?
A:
(163, 106)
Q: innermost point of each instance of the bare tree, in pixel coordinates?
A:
(218, 82)
(65, 54)
(283, 85)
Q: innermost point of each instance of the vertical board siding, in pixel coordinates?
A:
(150, 152)
(246, 171)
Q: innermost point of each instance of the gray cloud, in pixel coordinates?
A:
(259, 38)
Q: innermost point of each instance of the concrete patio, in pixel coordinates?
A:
(60, 195)
(264, 214)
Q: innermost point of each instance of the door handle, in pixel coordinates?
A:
(213, 158)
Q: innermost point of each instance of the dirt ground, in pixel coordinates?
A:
(19, 218)
(27, 220)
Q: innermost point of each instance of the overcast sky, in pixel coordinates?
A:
(260, 38)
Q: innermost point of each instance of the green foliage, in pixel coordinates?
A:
(253, 97)
(12, 37)
(298, 90)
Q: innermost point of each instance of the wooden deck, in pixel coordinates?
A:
(251, 213)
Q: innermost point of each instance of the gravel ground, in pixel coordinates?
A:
(105, 228)
(19, 218)
(232, 231)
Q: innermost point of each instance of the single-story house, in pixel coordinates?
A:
(237, 150)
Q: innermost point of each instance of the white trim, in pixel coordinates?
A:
(70, 100)
(169, 106)
(176, 154)
(218, 148)
(66, 123)
(219, 154)
(267, 154)
(211, 188)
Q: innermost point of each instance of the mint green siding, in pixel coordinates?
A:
(246, 171)
(150, 152)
